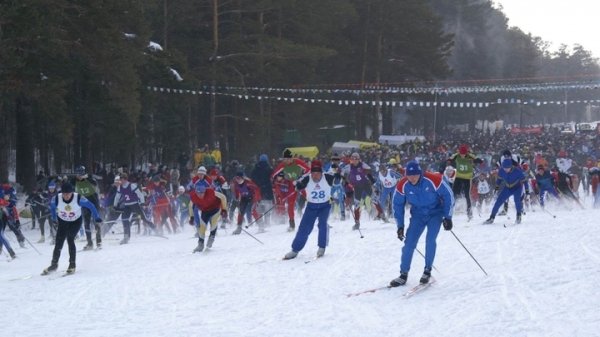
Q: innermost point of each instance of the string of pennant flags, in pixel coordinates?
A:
(392, 103)
(380, 89)
(383, 89)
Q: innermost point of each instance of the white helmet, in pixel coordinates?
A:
(181, 189)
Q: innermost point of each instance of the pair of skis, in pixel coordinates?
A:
(409, 293)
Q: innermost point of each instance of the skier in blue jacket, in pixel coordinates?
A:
(432, 204)
(511, 180)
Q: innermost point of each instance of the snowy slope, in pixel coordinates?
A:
(543, 281)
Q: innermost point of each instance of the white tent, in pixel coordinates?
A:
(399, 139)
(339, 147)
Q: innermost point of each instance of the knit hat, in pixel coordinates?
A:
(507, 163)
(316, 166)
(287, 153)
(202, 169)
(263, 157)
(413, 169)
(66, 188)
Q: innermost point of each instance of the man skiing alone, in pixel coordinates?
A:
(432, 204)
(66, 210)
(318, 195)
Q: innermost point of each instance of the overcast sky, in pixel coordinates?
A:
(557, 21)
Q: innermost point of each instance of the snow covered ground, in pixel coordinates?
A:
(543, 281)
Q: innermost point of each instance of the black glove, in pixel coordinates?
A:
(191, 222)
(527, 192)
(447, 224)
(98, 220)
(400, 233)
(223, 214)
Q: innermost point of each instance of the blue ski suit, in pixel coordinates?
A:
(511, 183)
(431, 201)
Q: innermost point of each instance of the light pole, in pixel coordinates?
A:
(435, 116)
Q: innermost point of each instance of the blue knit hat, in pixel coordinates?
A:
(413, 169)
(263, 157)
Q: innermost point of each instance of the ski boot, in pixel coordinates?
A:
(125, 240)
(292, 225)
(320, 252)
(22, 244)
(518, 221)
(489, 221)
(71, 268)
(211, 240)
(53, 267)
(42, 239)
(426, 276)
(238, 230)
(356, 226)
(12, 254)
(200, 246)
(89, 246)
(290, 255)
(400, 280)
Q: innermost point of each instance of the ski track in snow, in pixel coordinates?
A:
(543, 276)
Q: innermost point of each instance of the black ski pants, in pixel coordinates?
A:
(66, 230)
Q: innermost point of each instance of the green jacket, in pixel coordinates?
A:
(464, 165)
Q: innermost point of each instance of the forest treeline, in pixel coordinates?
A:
(74, 75)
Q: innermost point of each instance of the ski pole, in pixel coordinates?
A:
(457, 239)
(252, 236)
(545, 210)
(269, 210)
(418, 251)
(32, 245)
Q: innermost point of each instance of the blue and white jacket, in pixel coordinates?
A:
(430, 196)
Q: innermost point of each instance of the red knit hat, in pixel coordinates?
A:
(316, 166)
